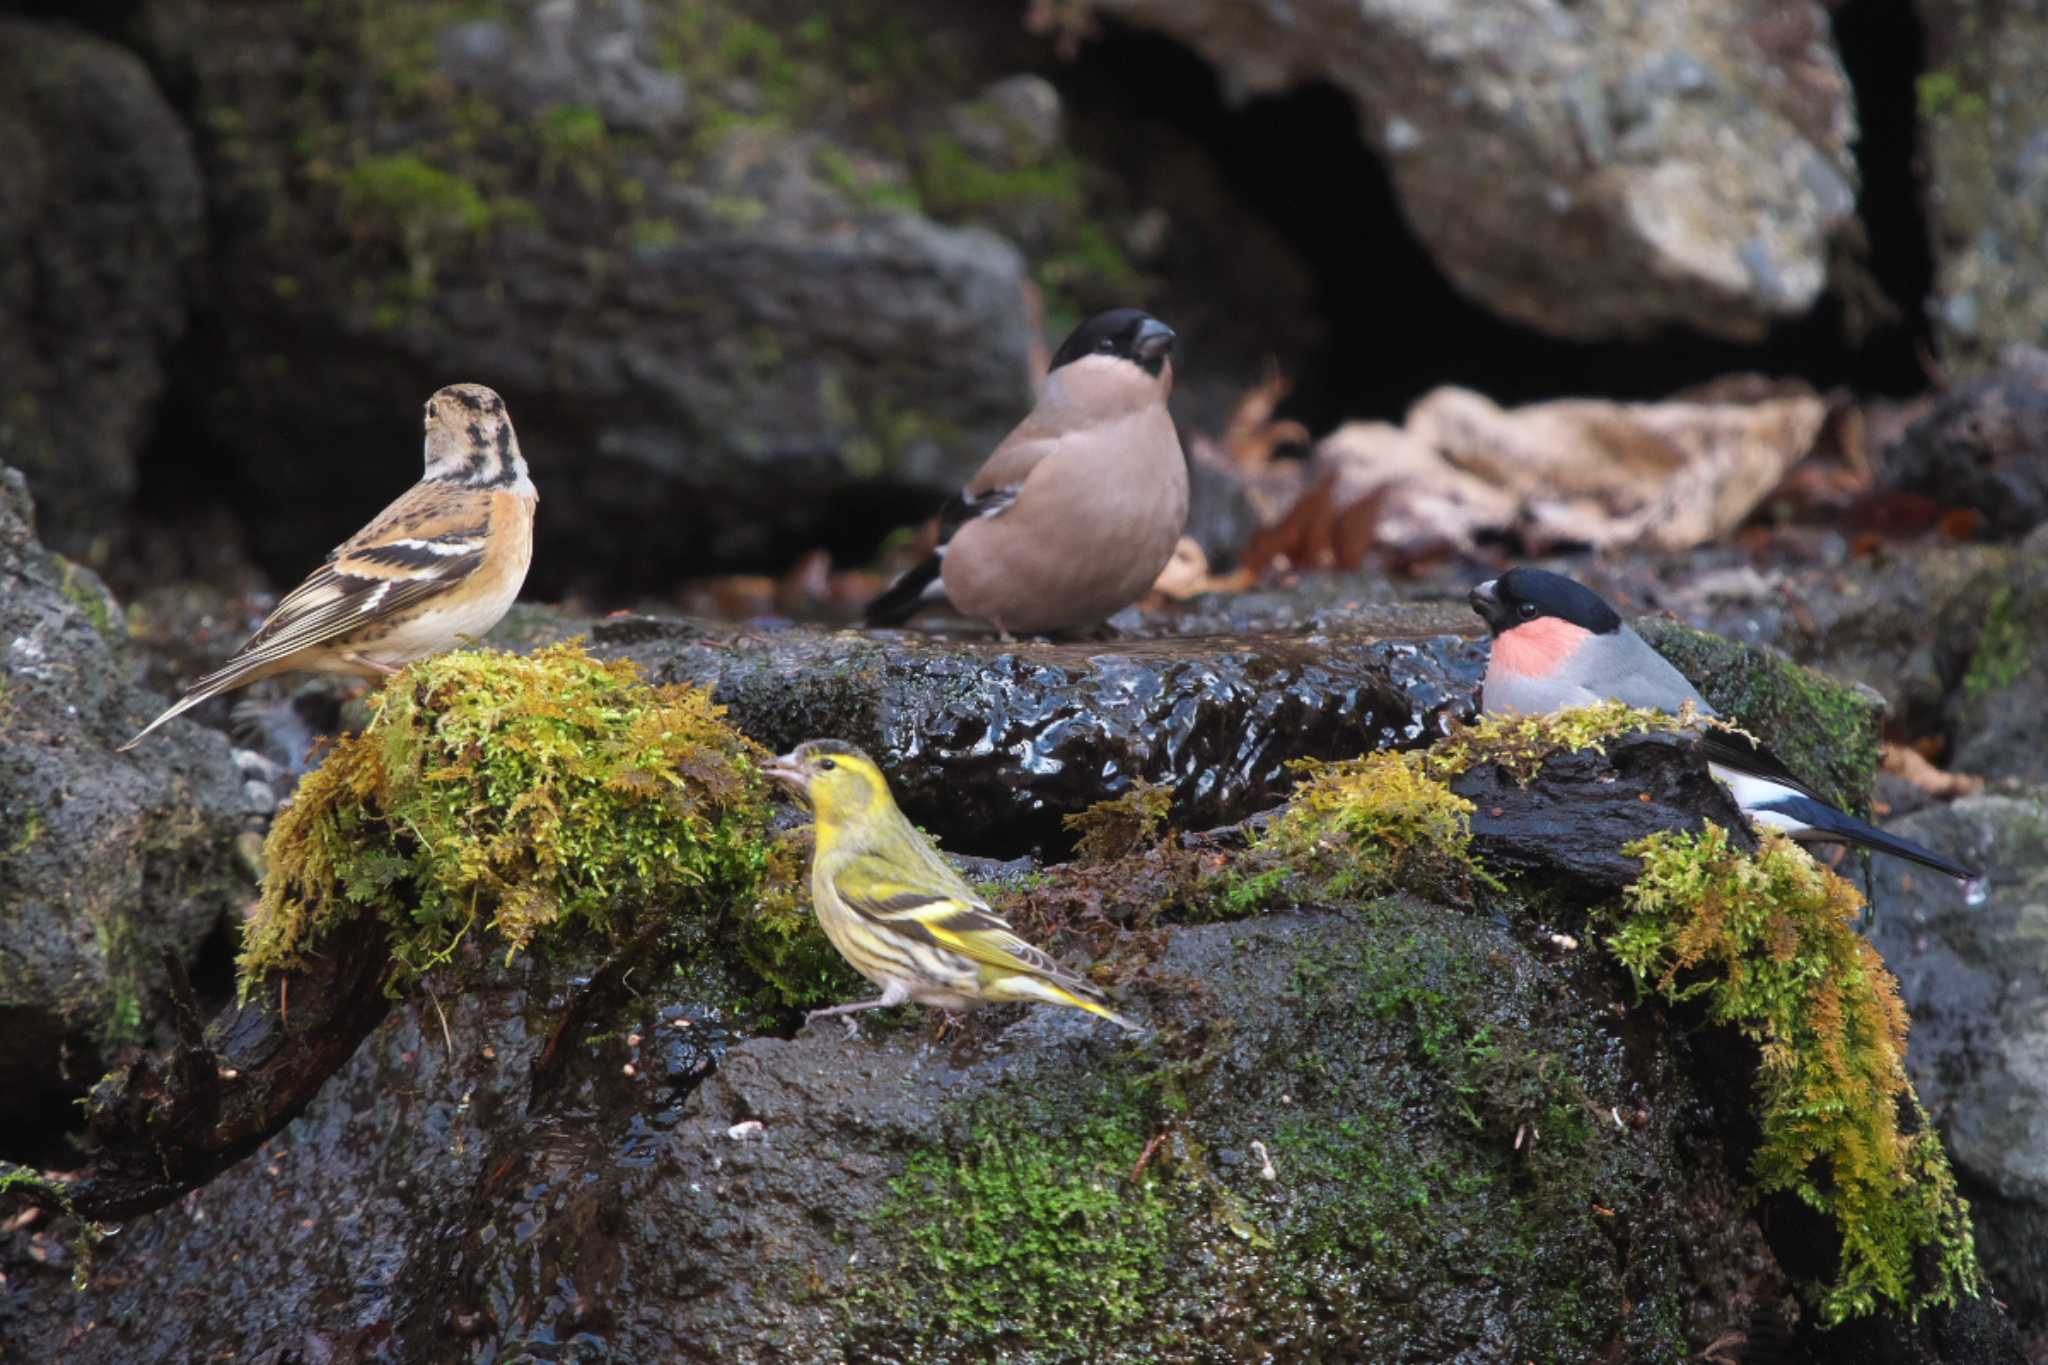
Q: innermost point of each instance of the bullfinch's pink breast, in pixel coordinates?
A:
(1537, 649)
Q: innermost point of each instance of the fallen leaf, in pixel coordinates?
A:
(1252, 436)
(1187, 575)
(1909, 763)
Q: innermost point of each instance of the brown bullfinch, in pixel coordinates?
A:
(438, 567)
(1077, 511)
(1557, 644)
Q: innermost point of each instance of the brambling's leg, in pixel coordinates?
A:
(369, 665)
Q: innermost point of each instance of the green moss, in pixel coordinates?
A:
(25, 838)
(2003, 652)
(784, 945)
(1122, 825)
(1767, 942)
(84, 591)
(654, 234)
(882, 434)
(953, 181)
(1369, 825)
(864, 184)
(1440, 1133)
(1030, 1234)
(1520, 744)
(1940, 94)
(573, 138)
(121, 1013)
(1823, 730)
(422, 210)
(520, 799)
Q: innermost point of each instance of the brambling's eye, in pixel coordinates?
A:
(1527, 611)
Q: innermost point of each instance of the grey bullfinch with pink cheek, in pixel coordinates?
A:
(1557, 644)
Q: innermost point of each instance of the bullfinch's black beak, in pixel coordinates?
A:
(1153, 341)
(1485, 600)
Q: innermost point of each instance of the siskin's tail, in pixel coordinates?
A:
(1022, 987)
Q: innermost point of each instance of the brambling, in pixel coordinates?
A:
(436, 568)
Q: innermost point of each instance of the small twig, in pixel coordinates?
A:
(446, 1037)
(1145, 1157)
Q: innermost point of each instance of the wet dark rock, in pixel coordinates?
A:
(1997, 714)
(107, 861)
(1973, 977)
(989, 745)
(434, 1203)
(101, 216)
(1572, 820)
(1357, 1131)
(1981, 446)
(1954, 637)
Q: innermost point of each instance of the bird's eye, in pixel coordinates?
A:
(827, 763)
(1527, 611)
(1106, 344)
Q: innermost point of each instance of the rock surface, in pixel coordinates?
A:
(1593, 171)
(990, 745)
(688, 314)
(1981, 444)
(107, 861)
(1984, 138)
(1403, 1128)
(101, 218)
(1359, 1129)
(1976, 980)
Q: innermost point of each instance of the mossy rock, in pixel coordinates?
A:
(1827, 732)
(521, 801)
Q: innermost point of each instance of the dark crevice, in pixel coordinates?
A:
(213, 969)
(1883, 47)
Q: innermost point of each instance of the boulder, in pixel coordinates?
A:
(1597, 170)
(109, 862)
(1984, 144)
(101, 218)
(1972, 973)
(706, 331)
(1386, 1126)
(1980, 446)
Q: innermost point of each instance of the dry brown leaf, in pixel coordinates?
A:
(1253, 436)
(1187, 575)
(1317, 532)
(1668, 475)
(1425, 500)
(1903, 761)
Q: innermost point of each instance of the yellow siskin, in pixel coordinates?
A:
(898, 912)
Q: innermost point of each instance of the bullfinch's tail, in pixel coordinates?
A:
(1806, 819)
(907, 596)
